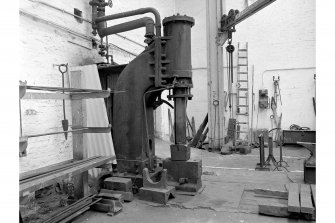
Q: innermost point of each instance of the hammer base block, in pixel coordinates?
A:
(157, 195)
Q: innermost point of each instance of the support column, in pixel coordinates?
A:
(215, 78)
(79, 151)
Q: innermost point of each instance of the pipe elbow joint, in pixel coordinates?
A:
(149, 27)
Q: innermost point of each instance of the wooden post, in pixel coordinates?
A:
(79, 151)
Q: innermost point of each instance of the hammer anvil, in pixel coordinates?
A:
(184, 175)
(310, 163)
(180, 152)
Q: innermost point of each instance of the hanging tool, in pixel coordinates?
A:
(63, 68)
(230, 49)
(276, 119)
(276, 93)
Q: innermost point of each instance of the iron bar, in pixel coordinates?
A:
(84, 130)
(61, 168)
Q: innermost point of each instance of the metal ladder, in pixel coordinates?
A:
(242, 89)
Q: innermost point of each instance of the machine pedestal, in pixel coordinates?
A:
(184, 175)
(158, 192)
(180, 152)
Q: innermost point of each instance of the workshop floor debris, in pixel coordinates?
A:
(229, 183)
(228, 193)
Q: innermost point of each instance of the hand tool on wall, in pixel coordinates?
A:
(23, 141)
(276, 93)
(276, 119)
(63, 68)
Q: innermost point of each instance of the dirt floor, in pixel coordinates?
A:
(226, 195)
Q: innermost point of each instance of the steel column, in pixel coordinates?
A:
(216, 112)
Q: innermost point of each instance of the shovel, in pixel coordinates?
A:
(65, 122)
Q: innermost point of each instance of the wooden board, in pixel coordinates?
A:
(272, 193)
(313, 189)
(79, 121)
(293, 198)
(38, 183)
(306, 204)
(273, 209)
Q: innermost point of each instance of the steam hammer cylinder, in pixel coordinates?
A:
(178, 52)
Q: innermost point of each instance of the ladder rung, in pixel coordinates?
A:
(242, 57)
(242, 131)
(242, 50)
(243, 123)
(242, 114)
(242, 89)
(242, 64)
(242, 97)
(242, 81)
(242, 72)
(242, 106)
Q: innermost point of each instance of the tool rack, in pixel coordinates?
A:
(78, 167)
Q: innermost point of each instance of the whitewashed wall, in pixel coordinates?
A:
(42, 45)
(281, 40)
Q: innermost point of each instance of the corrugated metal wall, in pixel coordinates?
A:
(96, 144)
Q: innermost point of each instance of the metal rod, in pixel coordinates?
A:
(55, 133)
(75, 90)
(67, 166)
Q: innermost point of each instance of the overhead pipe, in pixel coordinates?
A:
(146, 22)
(158, 24)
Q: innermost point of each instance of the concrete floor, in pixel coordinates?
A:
(226, 195)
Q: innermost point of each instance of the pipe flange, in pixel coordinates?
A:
(176, 18)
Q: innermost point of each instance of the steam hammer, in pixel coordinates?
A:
(164, 65)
